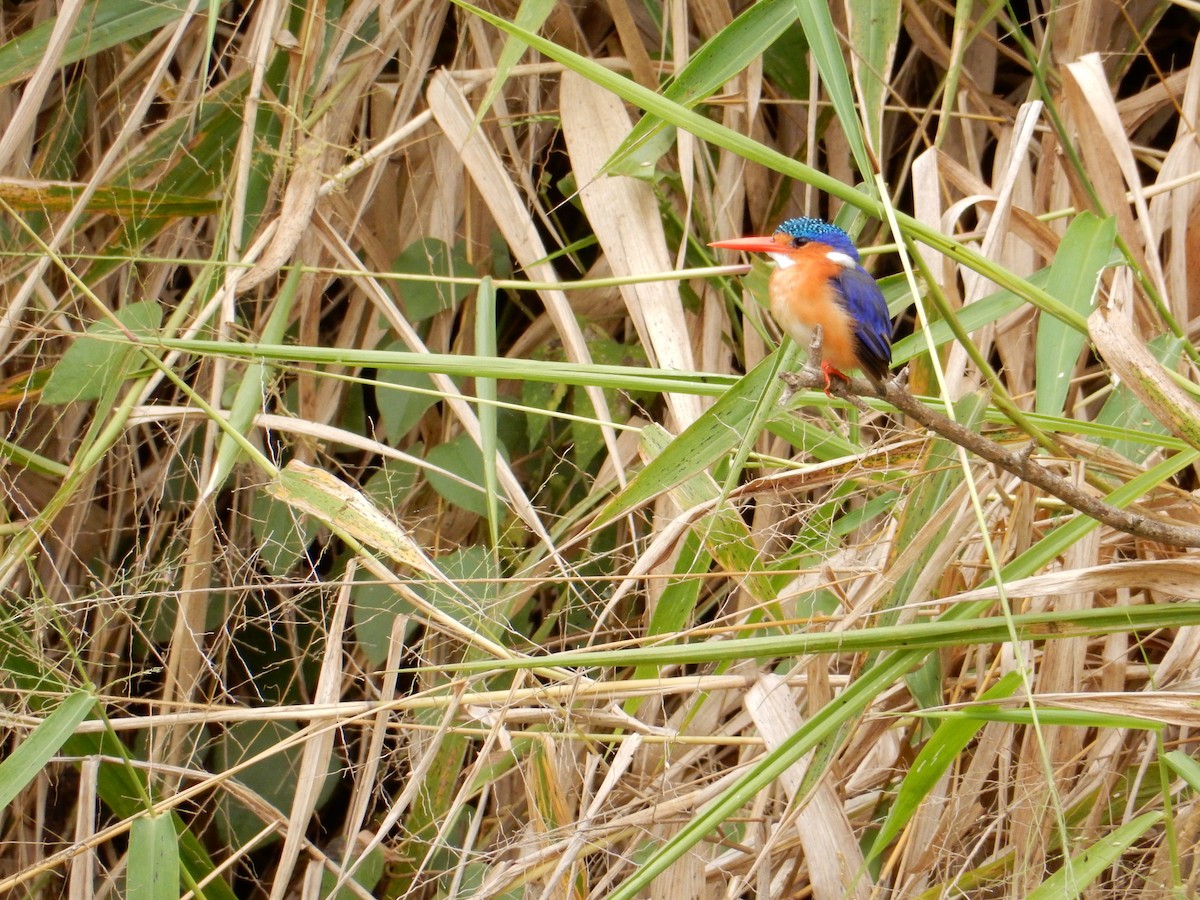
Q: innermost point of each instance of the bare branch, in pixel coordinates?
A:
(1016, 462)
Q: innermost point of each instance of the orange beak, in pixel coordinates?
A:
(750, 244)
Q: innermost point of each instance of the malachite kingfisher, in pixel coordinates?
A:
(818, 281)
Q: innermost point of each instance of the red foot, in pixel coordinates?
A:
(830, 374)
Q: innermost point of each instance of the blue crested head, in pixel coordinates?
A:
(819, 231)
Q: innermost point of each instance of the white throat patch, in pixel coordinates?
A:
(782, 260)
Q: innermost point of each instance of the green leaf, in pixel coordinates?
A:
(161, 611)
(273, 778)
(811, 437)
(153, 859)
(391, 485)
(431, 257)
(587, 439)
(1124, 409)
(1074, 277)
(678, 599)
(402, 399)
(58, 152)
(282, 533)
(540, 395)
(786, 62)
(472, 577)
(373, 610)
(472, 570)
(367, 873)
(98, 362)
(462, 458)
(32, 755)
(99, 26)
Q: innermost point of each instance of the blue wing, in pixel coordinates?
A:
(861, 297)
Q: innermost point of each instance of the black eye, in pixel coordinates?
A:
(798, 242)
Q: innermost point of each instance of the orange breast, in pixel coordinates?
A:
(802, 299)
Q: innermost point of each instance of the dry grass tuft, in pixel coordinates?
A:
(398, 494)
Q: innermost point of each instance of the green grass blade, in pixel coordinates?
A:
(874, 35)
(153, 859)
(1074, 877)
(1186, 767)
(59, 196)
(99, 26)
(718, 431)
(728, 52)
(630, 378)
(1074, 278)
(32, 754)
(530, 16)
(826, 48)
(966, 624)
(935, 758)
(256, 384)
(485, 390)
(1029, 715)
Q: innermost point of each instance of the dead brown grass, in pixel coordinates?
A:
(257, 564)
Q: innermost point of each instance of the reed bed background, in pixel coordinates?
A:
(401, 499)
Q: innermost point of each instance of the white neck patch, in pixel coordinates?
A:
(834, 256)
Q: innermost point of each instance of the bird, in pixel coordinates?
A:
(819, 281)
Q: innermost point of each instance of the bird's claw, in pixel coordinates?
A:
(830, 374)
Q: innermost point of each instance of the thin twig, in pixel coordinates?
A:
(1019, 463)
